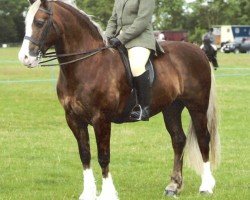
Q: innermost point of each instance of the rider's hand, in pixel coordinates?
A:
(115, 42)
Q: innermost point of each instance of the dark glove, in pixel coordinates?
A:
(115, 42)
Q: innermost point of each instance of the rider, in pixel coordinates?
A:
(130, 25)
(209, 48)
(209, 36)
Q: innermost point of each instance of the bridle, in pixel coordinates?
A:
(50, 23)
(53, 55)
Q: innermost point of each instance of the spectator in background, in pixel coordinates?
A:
(209, 48)
(208, 38)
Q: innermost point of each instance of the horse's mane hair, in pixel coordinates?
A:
(89, 20)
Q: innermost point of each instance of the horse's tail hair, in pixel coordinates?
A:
(212, 125)
(194, 155)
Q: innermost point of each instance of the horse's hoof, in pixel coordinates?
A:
(170, 193)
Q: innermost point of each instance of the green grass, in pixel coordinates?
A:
(39, 156)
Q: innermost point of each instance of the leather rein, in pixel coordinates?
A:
(53, 55)
(85, 54)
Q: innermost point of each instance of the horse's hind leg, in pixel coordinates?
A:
(102, 130)
(80, 131)
(199, 121)
(172, 118)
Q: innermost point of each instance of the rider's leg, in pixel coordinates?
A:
(138, 57)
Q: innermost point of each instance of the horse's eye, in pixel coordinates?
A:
(39, 23)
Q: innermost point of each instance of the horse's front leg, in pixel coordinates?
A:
(102, 130)
(81, 134)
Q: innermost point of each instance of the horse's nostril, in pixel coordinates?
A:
(26, 59)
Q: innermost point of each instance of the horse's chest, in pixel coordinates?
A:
(72, 105)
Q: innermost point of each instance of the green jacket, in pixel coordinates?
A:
(133, 18)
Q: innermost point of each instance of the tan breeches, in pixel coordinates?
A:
(138, 57)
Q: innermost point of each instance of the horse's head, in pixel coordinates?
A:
(41, 32)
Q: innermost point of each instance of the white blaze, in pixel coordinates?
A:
(23, 55)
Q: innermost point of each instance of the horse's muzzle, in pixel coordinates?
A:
(28, 60)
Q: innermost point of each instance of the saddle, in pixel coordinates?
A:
(132, 100)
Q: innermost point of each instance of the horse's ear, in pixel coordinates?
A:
(32, 1)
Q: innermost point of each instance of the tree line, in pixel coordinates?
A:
(195, 17)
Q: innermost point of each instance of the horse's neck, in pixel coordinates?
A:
(78, 33)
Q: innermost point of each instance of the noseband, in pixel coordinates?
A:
(50, 23)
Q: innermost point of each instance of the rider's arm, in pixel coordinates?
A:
(141, 22)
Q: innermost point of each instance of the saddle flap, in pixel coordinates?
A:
(150, 68)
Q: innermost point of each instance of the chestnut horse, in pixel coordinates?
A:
(94, 91)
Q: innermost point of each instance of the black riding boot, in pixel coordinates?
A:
(142, 86)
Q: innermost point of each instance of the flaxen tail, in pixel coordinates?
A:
(194, 154)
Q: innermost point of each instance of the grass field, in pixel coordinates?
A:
(39, 155)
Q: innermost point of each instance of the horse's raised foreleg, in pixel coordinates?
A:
(172, 118)
(102, 131)
(199, 120)
(80, 131)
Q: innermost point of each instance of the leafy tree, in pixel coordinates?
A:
(8, 32)
(12, 20)
(240, 12)
(100, 10)
(169, 14)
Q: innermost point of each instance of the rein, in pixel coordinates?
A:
(86, 54)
